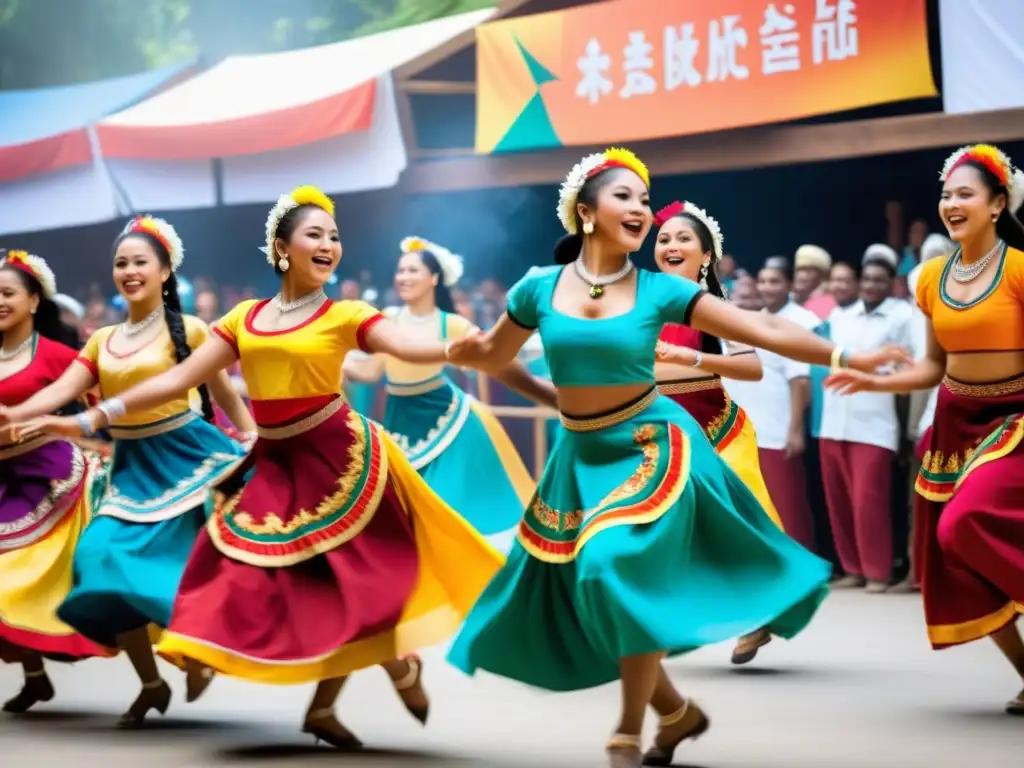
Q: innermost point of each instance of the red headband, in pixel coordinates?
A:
(670, 211)
(140, 224)
(996, 168)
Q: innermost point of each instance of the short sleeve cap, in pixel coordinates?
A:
(522, 301)
(456, 326)
(229, 326)
(928, 284)
(196, 331)
(89, 355)
(677, 297)
(355, 319)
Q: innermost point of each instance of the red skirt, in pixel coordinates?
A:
(325, 553)
(969, 511)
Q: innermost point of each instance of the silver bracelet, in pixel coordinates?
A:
(112, 409)
(86, 424)
(697, 359)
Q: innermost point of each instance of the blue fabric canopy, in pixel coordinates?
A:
(32, 115)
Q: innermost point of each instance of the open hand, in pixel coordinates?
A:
(65, 426)
(670, 353)
(889, 354)
(471, 350)
(849, 382)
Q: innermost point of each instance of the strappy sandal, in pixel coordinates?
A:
(323, 725)
(155, 695)
(1016, 706)
(748, 646)
(673, 730)
(624, 751)
(37, 689)
(411, 681)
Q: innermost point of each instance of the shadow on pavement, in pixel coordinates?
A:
(366, 756)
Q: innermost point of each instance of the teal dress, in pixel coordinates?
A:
(639, 538)
(455, 442)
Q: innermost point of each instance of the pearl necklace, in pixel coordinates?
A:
(286, 307)
(598, 282)
(966, 273)
(134, 329)
(6, 355)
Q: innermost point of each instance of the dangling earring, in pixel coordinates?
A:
(588, 227)
(704, 276)
(283, 263)
(995, 217)
(33, 310)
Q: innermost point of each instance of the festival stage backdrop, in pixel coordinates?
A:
(630, 70)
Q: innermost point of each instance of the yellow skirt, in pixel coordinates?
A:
(740, 453)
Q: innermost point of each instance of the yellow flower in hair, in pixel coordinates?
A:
(21, 257)
(627, 159)
(414, 245)
(309, 195)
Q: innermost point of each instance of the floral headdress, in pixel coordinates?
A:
(34, 266)
(993, 159)
(164, 233)
(590, 166)
(676, 208)
(305, 195)
(450, 263)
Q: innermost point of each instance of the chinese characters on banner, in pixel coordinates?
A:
(635, 69)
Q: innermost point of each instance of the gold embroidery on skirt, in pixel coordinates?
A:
(995, 389)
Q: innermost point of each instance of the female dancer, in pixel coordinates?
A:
(692, 364)
(46, 485)
(326, 553)
(968, 511)
(448, 436)
(166, 459)
(640, 542)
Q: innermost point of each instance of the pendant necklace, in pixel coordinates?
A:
(134, 329)
(6, 355)
(286, 307)
(597, 283)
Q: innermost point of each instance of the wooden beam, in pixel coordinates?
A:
(407, 122)
(438, 87)
(728, 150)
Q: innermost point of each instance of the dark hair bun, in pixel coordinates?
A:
(568, 248)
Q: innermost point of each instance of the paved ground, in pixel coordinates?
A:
(859, 688)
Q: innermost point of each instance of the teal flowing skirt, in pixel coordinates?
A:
(130, 559)
(456, 444)
(640, 539)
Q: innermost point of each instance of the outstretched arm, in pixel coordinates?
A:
(677, 362)
(212, 356)
(386, 337)
(766, 331)
(492, 351)
(73, 384)
(922, 375)
(359, 366)
(518, 379)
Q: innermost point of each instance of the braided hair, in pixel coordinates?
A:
(172, 311)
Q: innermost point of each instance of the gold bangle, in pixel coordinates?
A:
(837, 357)
(447, 350)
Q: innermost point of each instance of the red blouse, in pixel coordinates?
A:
(48, 364)
(680, 336)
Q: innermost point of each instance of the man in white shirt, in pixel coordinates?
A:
(777, 407)
(860, 433)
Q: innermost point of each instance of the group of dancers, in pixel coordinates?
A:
(312, 542)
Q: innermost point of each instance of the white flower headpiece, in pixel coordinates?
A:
(163, 232)
(998, 162)
(305, 195)
(35, 266)
(674, 209)
(451, 265)
(583, 170)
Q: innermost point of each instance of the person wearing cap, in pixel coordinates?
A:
(860, 434)
(810, 280)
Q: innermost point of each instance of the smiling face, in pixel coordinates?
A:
(313, 247)
(968, 207)
(621, 211)
(842, 283)
(679, 249)
(773, 287)
(875, 284)
(139, 272)
(17, 303)
(412, 278)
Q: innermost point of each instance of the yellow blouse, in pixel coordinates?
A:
(117, 372)
(443, 326)
(295, 364)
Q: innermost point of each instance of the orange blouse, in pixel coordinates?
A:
(994, 322)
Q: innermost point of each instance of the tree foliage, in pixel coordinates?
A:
(51, 42)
